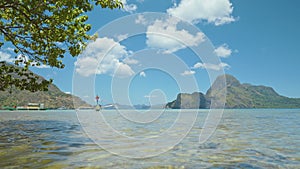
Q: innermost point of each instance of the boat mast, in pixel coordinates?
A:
(97, 99)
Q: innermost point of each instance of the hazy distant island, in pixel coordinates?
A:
(238, 96)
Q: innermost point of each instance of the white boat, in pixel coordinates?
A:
(98, 107)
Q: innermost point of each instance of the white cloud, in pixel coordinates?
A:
(122, 37)
(130, 61)
(123, 70)
(104, 56)
(141, 20)
(165, 35)
(217, 12)
(128, 7)
(9, 59)
(142, 74)
(188, 73)
(6, 57)
(174, 2)
(86, 66)
(25, 58)
(210, 66)
(223, 51)
(9, 49)
(42, 66)
(150, 96)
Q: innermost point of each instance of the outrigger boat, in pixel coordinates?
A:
(98, 106)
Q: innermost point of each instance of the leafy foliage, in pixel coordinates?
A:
(12, 76)
(42, 32)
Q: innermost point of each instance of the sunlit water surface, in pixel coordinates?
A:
(243, 139)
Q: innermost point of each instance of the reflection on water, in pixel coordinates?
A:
(244, 139)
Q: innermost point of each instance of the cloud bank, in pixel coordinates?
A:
(210, 66)
(6, 57)
(164, 34)
(188, 73)
(104, 56)
(128, 7)
(223, 51)
(217, 12)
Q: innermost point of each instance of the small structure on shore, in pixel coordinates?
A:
(32, 106)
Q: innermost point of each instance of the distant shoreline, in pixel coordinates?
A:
(50, 110)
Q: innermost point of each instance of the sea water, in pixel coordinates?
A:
(260, 138)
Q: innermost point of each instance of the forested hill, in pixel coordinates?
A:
(237, 96)
(53, 98)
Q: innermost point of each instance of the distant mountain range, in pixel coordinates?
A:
(237, 96)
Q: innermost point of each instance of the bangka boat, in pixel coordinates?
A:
(98, 107)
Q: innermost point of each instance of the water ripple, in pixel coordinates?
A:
(251, 139)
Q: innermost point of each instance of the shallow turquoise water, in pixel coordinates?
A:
(243, 139)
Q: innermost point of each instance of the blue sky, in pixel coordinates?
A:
(257, 41)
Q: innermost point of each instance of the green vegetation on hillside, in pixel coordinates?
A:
(188, 101)
(52, 99)
(237, 96)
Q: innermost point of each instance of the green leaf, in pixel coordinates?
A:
(34, 28)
